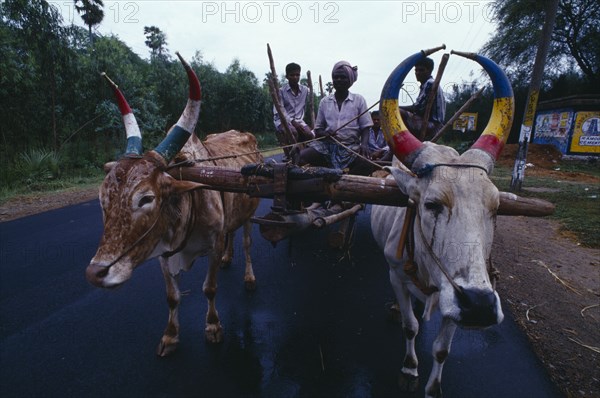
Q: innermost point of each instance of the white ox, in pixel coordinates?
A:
(444, 238)
(147, 213)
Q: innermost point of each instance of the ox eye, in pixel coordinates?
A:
(434, 207)
(146, 200)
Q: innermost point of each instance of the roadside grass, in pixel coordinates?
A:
(90, 177)
(62, 184)
(577, 202)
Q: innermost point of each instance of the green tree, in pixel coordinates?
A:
(91, 12)
(156, 40)
(34, 35)
(575, 40)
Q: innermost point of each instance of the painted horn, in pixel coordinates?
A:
(132, 130)
(496, 132)
(179, 134)
(404, 145)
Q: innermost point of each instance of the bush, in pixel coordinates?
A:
(37, 165)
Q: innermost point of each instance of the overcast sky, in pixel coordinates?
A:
(374, 35)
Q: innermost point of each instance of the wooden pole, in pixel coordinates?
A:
(532, 97)
(287, 138)
(311, 97)
(457, 115)
(283, 137)
(431, 98)
(348, 188)
(322, 93)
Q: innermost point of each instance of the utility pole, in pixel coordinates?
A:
(532, 96)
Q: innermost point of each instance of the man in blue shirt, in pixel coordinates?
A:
(413, 115)
(377, 144)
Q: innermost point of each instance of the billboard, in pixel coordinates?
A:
(467, 121)
(586, 133)
(554, 127)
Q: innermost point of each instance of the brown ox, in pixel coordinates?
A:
(147, 213)
(439, 249)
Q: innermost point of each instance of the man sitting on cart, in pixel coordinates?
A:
(342, 119)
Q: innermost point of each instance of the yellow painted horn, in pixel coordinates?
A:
(496, 132)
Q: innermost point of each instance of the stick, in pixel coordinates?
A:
(321, 87)
(433, 95)
(311, 104)
(321, 222)
(587, 308)
(457, 115)
(529, 309)
(273, 73)
(288, 137)
(565, 284)
(589, 347)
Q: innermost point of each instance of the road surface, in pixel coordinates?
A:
(315, 326)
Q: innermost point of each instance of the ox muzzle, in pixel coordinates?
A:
(478, 308)
(107, 276)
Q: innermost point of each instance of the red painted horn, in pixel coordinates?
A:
(179, 134)
(134, 136)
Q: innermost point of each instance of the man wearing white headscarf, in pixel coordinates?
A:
(342, 115)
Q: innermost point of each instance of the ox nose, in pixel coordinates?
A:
(95, 274)
(477, 308)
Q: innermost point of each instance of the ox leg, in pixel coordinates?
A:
(228, 253)
(249, 279)
(170, 339)
(408, 380)
(441, 349)
(213, 330)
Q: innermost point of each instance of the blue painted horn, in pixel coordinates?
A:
(496, 132)
(402, 142)
(181, 131)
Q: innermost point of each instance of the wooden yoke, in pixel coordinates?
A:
(289, 185)
(432, 95)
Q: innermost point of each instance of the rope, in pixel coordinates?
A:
(186, 162)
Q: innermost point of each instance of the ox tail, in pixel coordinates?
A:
(403, 143)
(132, 130)
(496, 132)
(181, 131)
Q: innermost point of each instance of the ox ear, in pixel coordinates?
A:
(404, 179)
(109, 166)
(178, 187)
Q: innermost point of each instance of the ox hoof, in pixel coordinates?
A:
(225, 263)
(214, 333)
(166, 347)
(394, 314)
(250, 284)
(408, 382)
(434, 390)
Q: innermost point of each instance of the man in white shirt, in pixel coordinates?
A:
(342, 115)
(293, 97)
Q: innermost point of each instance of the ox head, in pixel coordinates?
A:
(455, 203)
(140, 201)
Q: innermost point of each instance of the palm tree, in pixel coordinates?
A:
(91, 12)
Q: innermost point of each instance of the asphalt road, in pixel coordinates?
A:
(315, 326)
